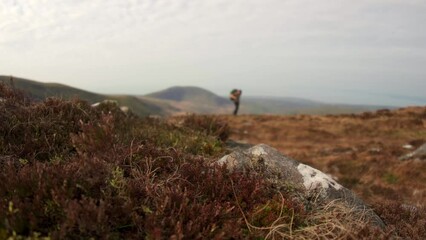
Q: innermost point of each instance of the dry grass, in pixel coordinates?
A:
(334, 220)
(362, 151)
(331, 221)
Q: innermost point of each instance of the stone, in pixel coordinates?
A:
(283, 171)
(235, 145)
(419, 153)
(407, 146)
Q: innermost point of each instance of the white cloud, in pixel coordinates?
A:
(217, 44)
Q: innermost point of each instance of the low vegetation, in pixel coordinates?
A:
(361, 151)
(71, 171)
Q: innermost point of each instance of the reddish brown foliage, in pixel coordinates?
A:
(71, 171)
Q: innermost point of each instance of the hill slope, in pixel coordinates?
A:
(179, 100)
(39, 91)
(290, 105)
(198, 100)
(191, 99)
(193, 94)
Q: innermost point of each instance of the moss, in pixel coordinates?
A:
(390, 178)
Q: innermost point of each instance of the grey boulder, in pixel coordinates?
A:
(419, 153)
(282, 171)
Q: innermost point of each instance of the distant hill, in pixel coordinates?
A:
(289, 105)
(40, 91)
(197, 94)
(191, 99)
(180, 100)
(198, 100)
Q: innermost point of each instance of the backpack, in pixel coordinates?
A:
(232, 95)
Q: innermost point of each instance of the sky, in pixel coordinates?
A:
(341, 51)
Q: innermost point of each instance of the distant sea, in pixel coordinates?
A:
(357, 97)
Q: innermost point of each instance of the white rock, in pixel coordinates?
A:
(313, 178)
(408, 146)
(258, 151)
(124, 109)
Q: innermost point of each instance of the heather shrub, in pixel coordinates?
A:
(403, 222)
(10, 95)
(40, 131)
(408, 222)
(71, 171)
(209, 124)
(190, 140)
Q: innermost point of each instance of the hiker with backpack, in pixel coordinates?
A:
(235, 97)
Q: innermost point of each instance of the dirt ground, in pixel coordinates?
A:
(362, 151)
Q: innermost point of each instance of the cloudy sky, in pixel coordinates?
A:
(363, 51)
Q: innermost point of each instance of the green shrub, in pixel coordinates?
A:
(390, 178)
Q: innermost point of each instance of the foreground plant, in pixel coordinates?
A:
(70, 171)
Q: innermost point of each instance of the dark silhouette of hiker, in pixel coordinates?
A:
(235, 97)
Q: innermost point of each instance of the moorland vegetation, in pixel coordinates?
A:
(71, 171)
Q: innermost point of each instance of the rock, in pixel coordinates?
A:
(282, 171)
(375, 150)
(407, 146)
(107, 101)
(124, 109)
(235, 145)
(411, 208)
(419, 153)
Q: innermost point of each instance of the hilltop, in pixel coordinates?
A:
(192, 94)
(191, 100)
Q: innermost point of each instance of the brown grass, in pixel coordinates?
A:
(362, 151)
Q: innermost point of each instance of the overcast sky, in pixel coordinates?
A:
(349, 51)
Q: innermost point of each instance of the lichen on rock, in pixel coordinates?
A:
(283, 171)
(313, 178)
